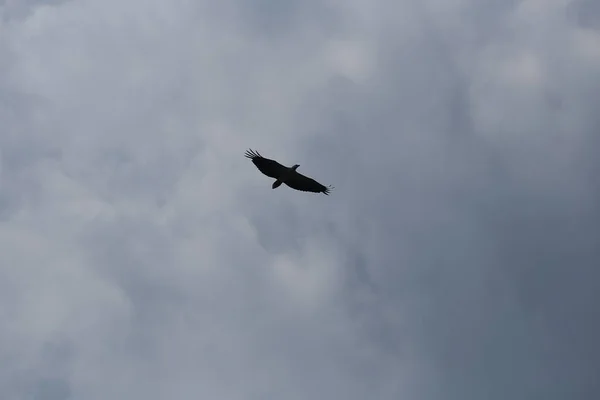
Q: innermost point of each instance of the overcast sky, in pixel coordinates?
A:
(143, 257)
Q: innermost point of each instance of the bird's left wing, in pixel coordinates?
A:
(304, 183)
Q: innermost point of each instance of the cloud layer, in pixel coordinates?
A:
(143, 257)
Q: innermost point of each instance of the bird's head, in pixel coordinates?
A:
(295, 167)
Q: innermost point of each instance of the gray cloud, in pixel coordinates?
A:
(586, 13)
(20, 9)
(142, 256)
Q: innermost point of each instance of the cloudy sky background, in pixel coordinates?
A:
(143, 257)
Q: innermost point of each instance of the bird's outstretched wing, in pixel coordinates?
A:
(270, 168)
(300, 182)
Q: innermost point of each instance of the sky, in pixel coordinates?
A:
(142, 256)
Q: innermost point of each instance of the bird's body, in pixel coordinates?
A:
(287, 175)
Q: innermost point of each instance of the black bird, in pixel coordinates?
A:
(287, 175)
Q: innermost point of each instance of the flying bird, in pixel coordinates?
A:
(287, 175)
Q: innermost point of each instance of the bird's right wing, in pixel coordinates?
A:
(270, 168)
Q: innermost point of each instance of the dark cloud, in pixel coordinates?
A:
(18, 10)
(274, 19)
(586, 13)
(498, 265)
